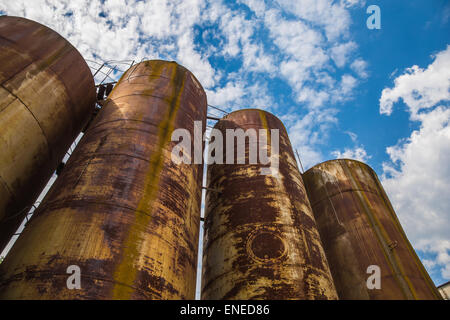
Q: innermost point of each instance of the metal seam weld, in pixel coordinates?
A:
(25, 66)
(164, 98)
(37, 121)
(267, 265)
(55, 74)
(120, 120)
(2, 181)
(7, 105)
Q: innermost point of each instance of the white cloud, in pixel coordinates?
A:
(307, 50)
(257, 6)
(194, 61)
(237, 31)
(348, 83)
(331, 16)
(232, 92)
(352, 136)
(341, 52)
(259, 93)
(420, 187)
(236, 95)
(420, 88)
(351, 3)
(312, 97)
(308, 131)
(417, 178)
(255, 59)
(358, 153)
(300, 51)
(359, 66)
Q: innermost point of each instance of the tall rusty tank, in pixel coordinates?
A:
(261, 239)
(359, 228)
(122, 210)
(47, 94)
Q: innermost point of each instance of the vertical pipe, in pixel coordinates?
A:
(261, 239)
(46, 97)
(359, 228)
(122, 210)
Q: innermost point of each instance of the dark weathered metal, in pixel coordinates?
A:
(261, 240)
(121, 210)
(359, 228)
(46, 96)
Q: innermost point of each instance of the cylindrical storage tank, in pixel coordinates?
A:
(369, 254)
(47, 94)
(261, 239)
(122, 211)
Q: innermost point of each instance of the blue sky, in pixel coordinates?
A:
(342, 90)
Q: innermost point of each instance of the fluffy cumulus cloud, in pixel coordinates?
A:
(308, 131)
(418, 176)
(419, 88)
(357, 152)
(359, 66)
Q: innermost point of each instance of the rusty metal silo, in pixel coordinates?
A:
(47, 94)
(359, 228)
(121, 210)
(261, 239)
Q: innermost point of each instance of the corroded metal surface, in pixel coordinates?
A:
(359, 228)
(46, 96)
(261, 240)
(121, 210)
